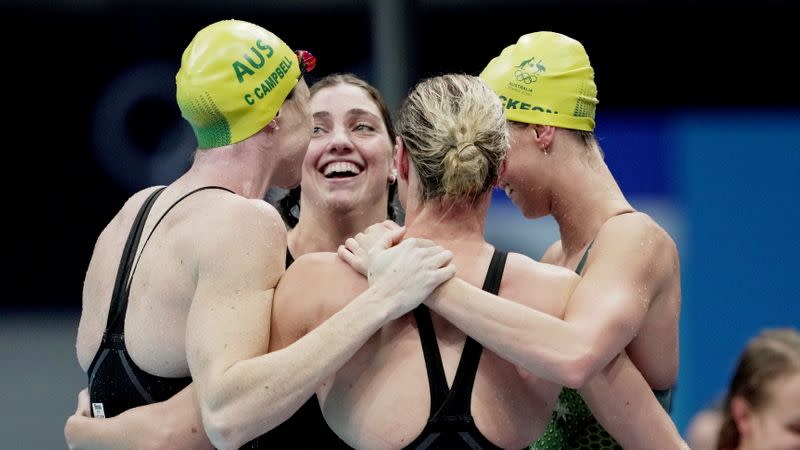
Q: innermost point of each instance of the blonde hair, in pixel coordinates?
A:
(771, 355)
(455, 132)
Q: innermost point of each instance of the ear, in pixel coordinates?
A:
(401, 158)
(501, 171)
(742, 415)
(273, 126)
(544, 136)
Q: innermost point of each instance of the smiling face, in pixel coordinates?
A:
(349, 159)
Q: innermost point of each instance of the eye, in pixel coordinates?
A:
(316, 130)
(362, 126)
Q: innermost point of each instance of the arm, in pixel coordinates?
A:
(243, 392)
(629, 264)
(622, 401)
(172, 424)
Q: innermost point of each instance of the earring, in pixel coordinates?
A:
(544, 149)
(393, 176)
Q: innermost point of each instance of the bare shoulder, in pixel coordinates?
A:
(314, 287)
(133, 204)
(637, 232)
(636, 248)
(325, 279)
(242, 219)
(553, 253)
(238, 239)
(551, 284)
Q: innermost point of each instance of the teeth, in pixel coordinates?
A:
(341, 166)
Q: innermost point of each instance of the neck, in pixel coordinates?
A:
(587, 198)
(445, 222)
(320, 229)
(231, 167)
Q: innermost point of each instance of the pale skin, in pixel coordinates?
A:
(703, 430)
(347, 126)
(619, 335)
(183, 258)
(775, 425)
(380, 397)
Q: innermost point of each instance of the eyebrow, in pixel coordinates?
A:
(351, 112)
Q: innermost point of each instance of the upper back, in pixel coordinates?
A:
(165, 276)
(389, 372)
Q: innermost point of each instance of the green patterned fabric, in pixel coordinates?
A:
(572, 427)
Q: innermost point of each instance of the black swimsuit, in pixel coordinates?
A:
(116, 383)
(450, 424)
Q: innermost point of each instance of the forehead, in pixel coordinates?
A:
(341, 98)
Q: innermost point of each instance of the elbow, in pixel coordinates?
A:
(223, 432)
(579, 369)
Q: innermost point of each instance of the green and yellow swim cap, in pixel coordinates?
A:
(546, 79)
(233, 79)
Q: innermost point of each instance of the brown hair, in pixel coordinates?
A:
(771, 355)
(291, 201)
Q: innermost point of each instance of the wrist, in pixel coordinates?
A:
(381, 302)
(441, 292)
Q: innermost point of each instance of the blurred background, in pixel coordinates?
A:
(699, 117)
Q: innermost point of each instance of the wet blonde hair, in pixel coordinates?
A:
(771, 355)
(455, 132)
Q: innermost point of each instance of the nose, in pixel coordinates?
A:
(339, 141)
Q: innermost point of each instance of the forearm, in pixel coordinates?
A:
(255, 395)
(624, 404)
(173, 424)
(545, 345)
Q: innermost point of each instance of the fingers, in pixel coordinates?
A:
(442, 257)
(445, 273)
(351, 259)
(83, 403)
(393, 237)
(352, 244)
(390, 225)
(417, 243)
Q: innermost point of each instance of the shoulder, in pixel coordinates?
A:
(314, 287)
(242, 218)
(539, 285)
(635, 250)
(519, 266)
(553, 253)
(638, 233)
(133, 204)
(325, 277)
(233, 234)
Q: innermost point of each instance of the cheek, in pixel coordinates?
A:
(379, 157)
(315, 150)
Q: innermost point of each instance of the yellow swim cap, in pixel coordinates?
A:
(546, 79)
(233, 79)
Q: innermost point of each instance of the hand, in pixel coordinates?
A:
(407, 273)
(73, 431)
(358, 250)
(83, 404)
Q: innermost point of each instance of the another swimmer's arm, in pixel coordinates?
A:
(624, 404)
(243, 392)
(174, 424)
(604, 312)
